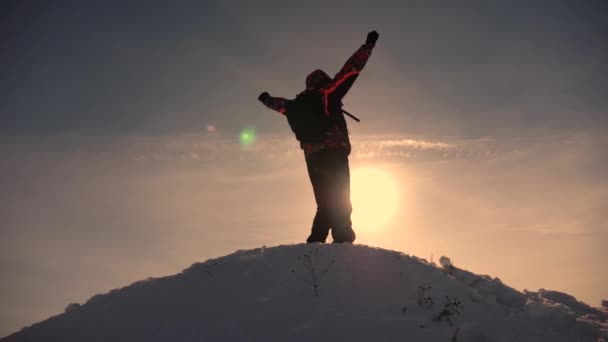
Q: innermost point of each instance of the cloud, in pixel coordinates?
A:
(415, 144)
(282, 149)
(374, 147)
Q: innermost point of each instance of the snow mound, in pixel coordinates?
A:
(322, 292)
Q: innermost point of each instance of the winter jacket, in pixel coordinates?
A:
(332, 91)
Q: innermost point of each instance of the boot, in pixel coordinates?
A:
(345, 235)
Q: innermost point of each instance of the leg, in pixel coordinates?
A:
(340, 218)
(317, 172)
(320, 227)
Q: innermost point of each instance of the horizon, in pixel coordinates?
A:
(123, 158)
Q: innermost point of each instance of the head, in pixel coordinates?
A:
(317, 80)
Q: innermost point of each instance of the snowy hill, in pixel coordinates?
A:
(322, 293)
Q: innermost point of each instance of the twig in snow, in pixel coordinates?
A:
(424, 299)
(311, 264)
(455, 336)
(450, 309)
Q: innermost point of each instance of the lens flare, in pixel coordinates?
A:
(247, 136)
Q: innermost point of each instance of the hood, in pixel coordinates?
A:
(317, 79)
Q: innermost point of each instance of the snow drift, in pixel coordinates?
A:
(323, 292)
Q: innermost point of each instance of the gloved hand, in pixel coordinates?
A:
(263, 96)
(372, 37)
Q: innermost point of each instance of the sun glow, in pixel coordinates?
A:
(374, 199)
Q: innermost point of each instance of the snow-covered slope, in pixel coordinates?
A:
(362, 294)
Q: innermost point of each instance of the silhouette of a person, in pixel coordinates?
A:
(316, 118)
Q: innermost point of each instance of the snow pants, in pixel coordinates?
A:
(330, 177)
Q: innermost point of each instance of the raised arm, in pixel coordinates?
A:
(276, 103)
(339, 86)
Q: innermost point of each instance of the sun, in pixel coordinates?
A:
(374, 198)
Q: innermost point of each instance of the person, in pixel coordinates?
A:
(317, 119)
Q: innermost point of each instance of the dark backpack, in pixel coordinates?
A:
(306, 116)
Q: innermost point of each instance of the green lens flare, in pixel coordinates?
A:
(247, 136)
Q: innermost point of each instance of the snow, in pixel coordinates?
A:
(323, 292)
(445, 262)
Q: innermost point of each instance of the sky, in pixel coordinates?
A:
(120, 123)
